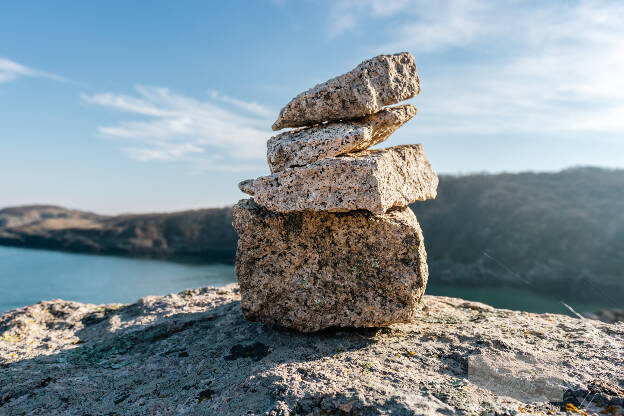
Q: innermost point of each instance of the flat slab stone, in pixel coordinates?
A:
(304, 146)
(380, 81)
(373, 180)
(314, 270)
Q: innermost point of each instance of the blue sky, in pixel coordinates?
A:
(129, 106)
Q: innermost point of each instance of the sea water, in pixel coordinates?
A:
(28, 276)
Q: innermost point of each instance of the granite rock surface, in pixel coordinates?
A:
(194, 353)
(312, 270)
(246, 186)
(372, 180)
(307, 145)
(375, 83)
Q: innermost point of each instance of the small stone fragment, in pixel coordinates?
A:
(246, 186)
(373, 180)
(380, 81)
(304, 146)
(313, 270)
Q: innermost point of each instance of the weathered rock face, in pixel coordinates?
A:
(374, 180)
(313, 270)
(516, 375)
(304, 146)
(194, 353)
(380, 81)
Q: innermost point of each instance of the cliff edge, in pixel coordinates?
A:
(194, 353)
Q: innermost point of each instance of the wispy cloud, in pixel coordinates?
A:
(433, 24)
(253, 107)
(212, 132)
(495, 67)
(11, 70)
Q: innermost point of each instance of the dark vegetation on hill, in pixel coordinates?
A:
(559, 233)
(201, 235)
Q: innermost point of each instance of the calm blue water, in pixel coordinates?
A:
(28, 276)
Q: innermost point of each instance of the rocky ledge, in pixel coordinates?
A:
(194, 353)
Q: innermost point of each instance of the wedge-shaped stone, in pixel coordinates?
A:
(383, 80)
(313, 270)
(246, 186)
(304, 146)
(374, 180)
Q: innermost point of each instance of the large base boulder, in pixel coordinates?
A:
(313, 270)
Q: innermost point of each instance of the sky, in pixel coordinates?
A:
(130, 106)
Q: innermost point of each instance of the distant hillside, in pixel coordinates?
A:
(554, 232)
(204, 235)
(560, 233)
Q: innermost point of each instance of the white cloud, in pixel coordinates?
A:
(507, 66)
(10, 71)
(436, 28)
(170, 151)
(176, 127)
(341, 22)
(249, 107)
(434, 25)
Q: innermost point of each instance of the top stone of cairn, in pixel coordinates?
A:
(380, 81)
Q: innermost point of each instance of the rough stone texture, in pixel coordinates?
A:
(246, 186)
(312, 270)
(304, 146)
(194, 353)
(516, 375)
(374, 180)
(380, 81)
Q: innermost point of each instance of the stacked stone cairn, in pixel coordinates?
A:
(328, 238)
